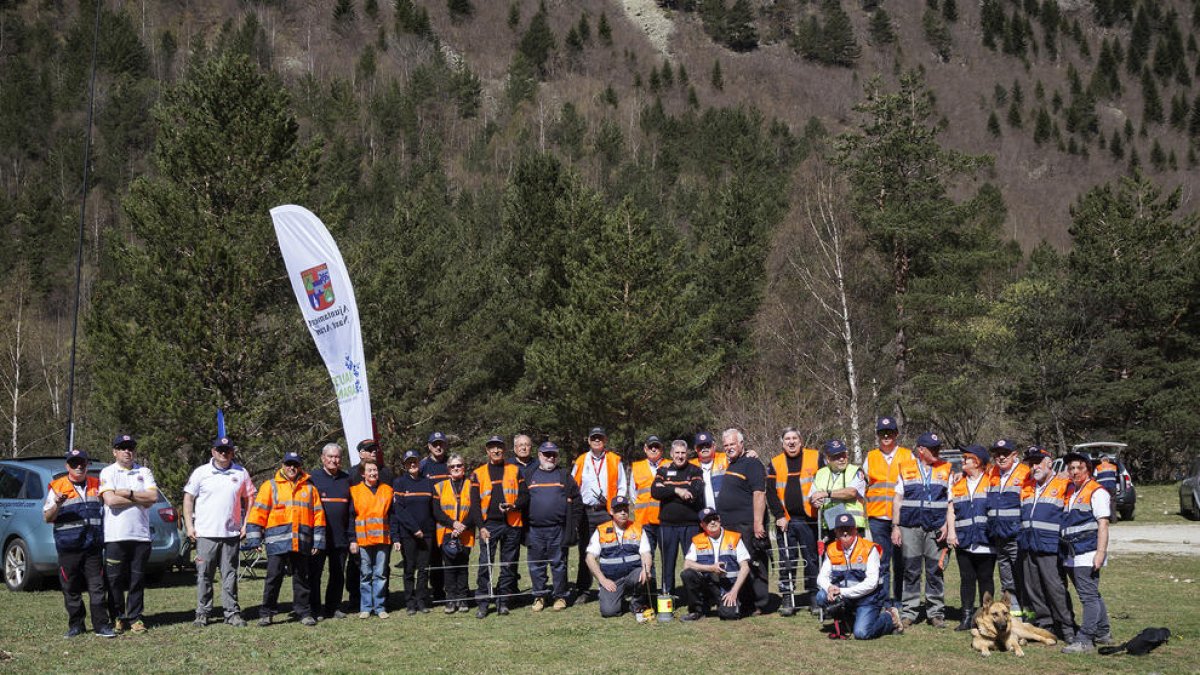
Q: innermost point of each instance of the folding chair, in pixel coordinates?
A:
(252, 556)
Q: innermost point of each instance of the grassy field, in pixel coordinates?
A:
(1157, 504)
(1139, 594)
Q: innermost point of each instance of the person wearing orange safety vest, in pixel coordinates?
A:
(1107, 475)
(601, 478)
(1043, 502)
(1085, 539)
(498, 496)
(850, 578)
(715, 568)
(455, 531)
(646, 508)
(882, 468)
(288, 520)
(789, 481)
(619, 557)
(371, 513)
(1004, 478)
(966, 520)
(919, 507)
(74, 508)
(713, 465)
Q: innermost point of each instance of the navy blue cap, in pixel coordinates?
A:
(436, 436)
(834, 447)
(495, 440)
(222, 442)
(705, 514)
(1035, 454)
(123, 440)
(76, 453)
(1005, 445)
(597, 431)
(619, 502)
(845, 520)
(930, 440)
(703, 438)
(886, 424)
(368, 444)
(548, 448)
(291, 457)
(978, 452)
(653, 440)
(410, 454)
(1077, 457)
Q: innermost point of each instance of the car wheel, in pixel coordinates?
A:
(1127, 513)
(18, 575)
(1191, 512)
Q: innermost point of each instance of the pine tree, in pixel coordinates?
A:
(371, 8)
(949, 11)
(740, 33)
(609, 96)
(993, 23)
(1041, 129)
(1116, 147)
(604, 31)
(718, 80)
(538, 42)
(1158, 157)
(993, 124)
(343, 12)
(655, 81)
(514, 16)
(1152, 107)
(838, 44)
(460, 9)
(1139, 42)
(937, 34)
(880, 28)
(1014, 115)
(584, 28)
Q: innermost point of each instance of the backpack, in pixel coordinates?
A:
(1143, 644)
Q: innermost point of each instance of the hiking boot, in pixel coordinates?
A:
(502, 610)
(1078, 648)
(900, 624)
(138, 626)
(411, 611)
(308, 621)
(74, 631)
(787, 610)
(383, 614)
(692, 616)
(451, 607)
(560, 604)
(236, 621)
(1105, 640)
(937, 622)
(264, 621)
(481, 612)
(338, 614)
(104, 632)
(121, 625)
(201, 621)
(364, 615)
(538, 605)
(968, 619)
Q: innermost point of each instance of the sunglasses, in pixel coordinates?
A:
(292, 464)
(456, 466)
(125, 448)
(77, 464)
(224, 451)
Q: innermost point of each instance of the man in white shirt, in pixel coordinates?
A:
(216, 499)
(715, 568)
(1085, 536)
(619, 557)
(128, 490)
(601, 477)
(849, 578)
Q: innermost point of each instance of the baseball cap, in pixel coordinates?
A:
(290, 457)
(1003, 445)
(548, 448)
(1077, 457)
(495, 440)
(618, 503)
(76, 453)
(410, 454)
(222, 442)
(597, 431)
(834, 447)
(886, 424)
(703, 438)
(706, 514)
(435, 437)
(978, 452)
(1035, 455)
(124, 440)
(368, 445)
(930, 440)
(845, 520)
(653, 440)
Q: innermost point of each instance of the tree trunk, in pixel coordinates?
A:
(900, 263)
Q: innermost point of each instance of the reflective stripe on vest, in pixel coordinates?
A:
(78, 525)
(612, 472)
(1041, 515)
(881, 480)
(716, 472)
(1080, 527)
(287, 517)
(508, 486)
(1004, 501)
(371, 514)
(825, 482)
(727, 555)
(619, 555)
(808, 471)
(970, 512)
(848, 570)
(645, 507)
(455, 506)
(924, 504)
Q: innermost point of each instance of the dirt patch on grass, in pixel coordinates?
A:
(653, 20)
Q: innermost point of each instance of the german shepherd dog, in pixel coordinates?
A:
(995, 628)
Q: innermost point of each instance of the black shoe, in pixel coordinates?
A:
(73, 631)
(308, 621)
(412, 611)
(693, 616)
(423, 609)
(104, 632)
(481, 612)
(787, 611)
(968, 619)
(502, 610)
(264, 621)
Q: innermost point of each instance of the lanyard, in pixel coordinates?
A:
(598, 467)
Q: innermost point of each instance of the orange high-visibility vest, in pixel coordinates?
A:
(371, 511)
(645, 507)
(509, 487)
(456, 507)
(286, 516)
(808, 469)
(612, 469)
(881, 480)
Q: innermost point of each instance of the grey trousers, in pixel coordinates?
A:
(210, 553)
(611, 603)
(1095, 613)
(1046, 590)
(921, 551)
(1008, 560)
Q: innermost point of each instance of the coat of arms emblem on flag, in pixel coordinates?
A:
(318, 286)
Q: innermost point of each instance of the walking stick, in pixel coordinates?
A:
(487, 552)
(791, 570)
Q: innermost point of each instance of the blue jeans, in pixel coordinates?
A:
(881, 533)
(372, 577)
(675, 539)
(1095, 613)
(869, 621)
(545, 543)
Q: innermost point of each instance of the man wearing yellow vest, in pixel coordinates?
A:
(789, 480)
(919, 507)
(498, 495)
(601, 478)
(882, 469)
(646, 509)
(838, 486)
(371, 513)
(619, 557)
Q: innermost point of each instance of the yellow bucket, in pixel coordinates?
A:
(666, 604)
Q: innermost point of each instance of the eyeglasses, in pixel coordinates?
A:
(456, 466)
(295, 465)
(886, 434)
(124, 448)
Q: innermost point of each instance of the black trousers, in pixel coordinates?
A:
(587, 527)
(704, 590)
(674, 539)
(78, 570)
(353, 576)
(975, 570)
(801, 546)
(437, 577)
(301, 566)
(332, 601)
(757, 590)
(457, 575)
(125, 567)
(416, 571)
(506, 540)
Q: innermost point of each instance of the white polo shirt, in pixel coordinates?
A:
(220, 496)
(126, 523)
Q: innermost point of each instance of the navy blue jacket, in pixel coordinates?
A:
(335, 498)
(414, 506)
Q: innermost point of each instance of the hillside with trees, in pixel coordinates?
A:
(656, 216)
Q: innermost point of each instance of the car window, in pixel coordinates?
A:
(34, 488)
(12, 480)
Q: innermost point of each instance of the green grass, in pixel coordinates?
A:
(579, 641)
(1157, 504)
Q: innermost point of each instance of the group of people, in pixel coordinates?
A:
(852, 541)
